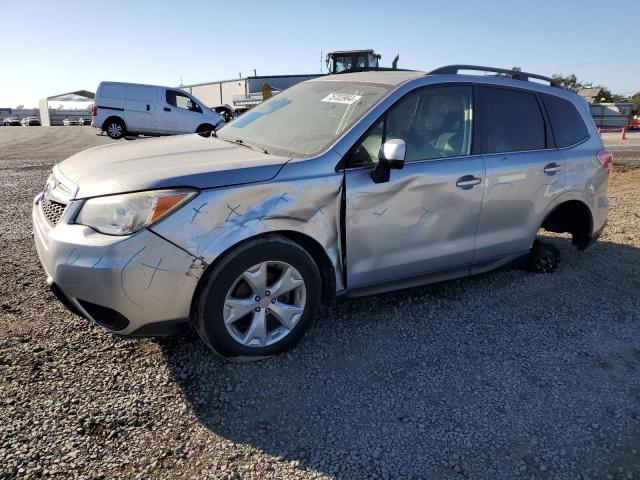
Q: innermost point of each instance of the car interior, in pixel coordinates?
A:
(434, 123)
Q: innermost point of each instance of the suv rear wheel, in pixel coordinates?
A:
(259, 299)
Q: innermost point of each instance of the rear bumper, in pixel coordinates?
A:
(597, 233)
(135, 285)
(600, 211)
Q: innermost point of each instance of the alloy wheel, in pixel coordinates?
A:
(264, 304)
(115, 130)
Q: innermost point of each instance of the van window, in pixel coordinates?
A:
(568, 126)
(180, 100)
(143, 94)
(511, 121)
(343, 63)
(110, 90)
(433, 122)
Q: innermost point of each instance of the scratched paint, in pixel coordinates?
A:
(73, 256)
(309, 206)
(197, 211)
(155, 269)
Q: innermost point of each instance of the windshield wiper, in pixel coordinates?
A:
(239, 141)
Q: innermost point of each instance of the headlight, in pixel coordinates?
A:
(128, 213)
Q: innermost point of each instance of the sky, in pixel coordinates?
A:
(52, 47)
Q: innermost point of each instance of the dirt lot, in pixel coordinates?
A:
(501, 376)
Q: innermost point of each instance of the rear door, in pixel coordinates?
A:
(423, 220)
(524, 172)
(140, 109)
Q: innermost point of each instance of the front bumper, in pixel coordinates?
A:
(135, 285)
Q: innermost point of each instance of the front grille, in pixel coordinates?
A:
(52, 210)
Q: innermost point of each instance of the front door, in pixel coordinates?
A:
(424, 219)
(180, 114)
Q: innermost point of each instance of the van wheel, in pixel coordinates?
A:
(115, 128)
(259, 299)
(543, 258)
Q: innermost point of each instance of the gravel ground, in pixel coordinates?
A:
(501, 376)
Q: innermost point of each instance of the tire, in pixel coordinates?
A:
(227, 281)
(115, 128)
(543, 258)
(205, 128)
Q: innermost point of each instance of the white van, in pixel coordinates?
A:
(129, 108)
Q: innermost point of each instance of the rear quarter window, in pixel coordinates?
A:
(109, 90)
(566, 122)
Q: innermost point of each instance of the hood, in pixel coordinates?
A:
(177, 161)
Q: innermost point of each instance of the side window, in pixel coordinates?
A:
(568, 126)
(180, 100)
(433, 122)
(511, 121)
(343, 63)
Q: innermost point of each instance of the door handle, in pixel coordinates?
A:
(167, 109)
(552, 168)
(148, 107)
(468, 181)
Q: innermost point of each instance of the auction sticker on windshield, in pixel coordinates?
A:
(342, 98)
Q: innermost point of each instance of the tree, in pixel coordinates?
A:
(605, 95)
(635, 99)
(570, 82)
(20, 107)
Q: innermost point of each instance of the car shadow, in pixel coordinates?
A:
(483, 374)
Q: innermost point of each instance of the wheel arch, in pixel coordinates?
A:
(306, 242)
(570, 215)
(202, 127)
(111, 118)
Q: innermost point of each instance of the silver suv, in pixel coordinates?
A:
(347, 184)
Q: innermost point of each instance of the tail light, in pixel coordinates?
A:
(605, 157)
(94, 111)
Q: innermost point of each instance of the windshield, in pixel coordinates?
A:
(305, 119)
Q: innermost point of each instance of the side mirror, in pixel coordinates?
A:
(391, 156)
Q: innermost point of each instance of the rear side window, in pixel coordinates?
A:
(568, 125)
(511, 121)
(109, 90)
(143, 94)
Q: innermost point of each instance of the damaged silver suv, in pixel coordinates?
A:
(347, 184)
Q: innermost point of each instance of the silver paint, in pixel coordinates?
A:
(418, 223)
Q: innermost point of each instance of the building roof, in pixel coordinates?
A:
(251, 77)
(590, 93)
(77, 96)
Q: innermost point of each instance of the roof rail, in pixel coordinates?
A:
(514, 74)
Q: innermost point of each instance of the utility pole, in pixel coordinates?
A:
(321, 67)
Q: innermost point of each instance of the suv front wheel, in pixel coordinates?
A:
(259, 299)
